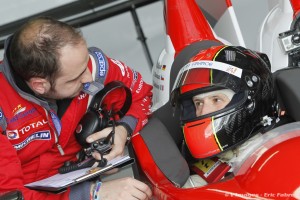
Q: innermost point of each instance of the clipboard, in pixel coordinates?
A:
(60, 182)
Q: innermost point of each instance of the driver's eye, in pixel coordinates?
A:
(198, 103)
(216, 99)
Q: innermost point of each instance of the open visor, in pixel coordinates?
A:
(204, 76)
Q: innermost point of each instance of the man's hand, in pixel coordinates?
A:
(125, 188)
(120, 138)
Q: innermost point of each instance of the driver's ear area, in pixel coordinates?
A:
(39, 85)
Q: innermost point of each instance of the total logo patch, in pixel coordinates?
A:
(15, 134)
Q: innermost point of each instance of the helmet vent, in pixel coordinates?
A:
(230, 55)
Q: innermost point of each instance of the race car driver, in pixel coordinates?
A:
(227, 99)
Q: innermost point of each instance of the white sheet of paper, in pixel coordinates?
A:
(61, 180)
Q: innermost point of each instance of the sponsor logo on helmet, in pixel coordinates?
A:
(40, 135)
(231, 70)
(102, 64)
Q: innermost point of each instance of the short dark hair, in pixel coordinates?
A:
(34, 50)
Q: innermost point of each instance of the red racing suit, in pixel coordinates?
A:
(32, 133)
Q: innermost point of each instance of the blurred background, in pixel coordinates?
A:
(129, 30)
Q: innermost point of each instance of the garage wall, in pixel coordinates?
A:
(117, 36)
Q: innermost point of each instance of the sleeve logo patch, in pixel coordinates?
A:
(121, 66)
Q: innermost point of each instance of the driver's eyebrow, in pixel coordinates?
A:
(214, 96)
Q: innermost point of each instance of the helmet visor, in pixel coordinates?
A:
(206, 74)
(203, 77)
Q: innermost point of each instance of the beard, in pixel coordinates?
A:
(53, 94)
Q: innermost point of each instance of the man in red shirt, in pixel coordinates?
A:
(45, 68)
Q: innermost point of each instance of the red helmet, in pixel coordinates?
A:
(247, 74)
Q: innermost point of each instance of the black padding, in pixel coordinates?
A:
(170, 118)
(165, 152)
(288, 88)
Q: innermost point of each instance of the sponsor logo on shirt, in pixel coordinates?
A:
(121, 66)
(15, 134)
(41, 135)
(141, 83)
(86, 85)
(135, 75)
(18, 109)
(101, 62)
(82, 96)
(21, 115)
(12, 134)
